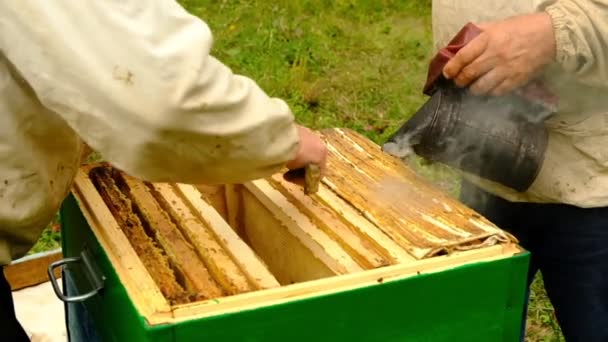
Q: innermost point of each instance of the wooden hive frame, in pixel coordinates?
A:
(222, 241)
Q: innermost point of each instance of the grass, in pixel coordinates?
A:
(339, 63)
(542, 324)
(355, 64)
(50, 238)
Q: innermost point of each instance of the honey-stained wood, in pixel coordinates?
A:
(353, 218)
(120, 207)
(301, 226)
(360, 247)
(342, 283)
(399, 202)
(221, 266)
(385, 165)
(291, 257)
(242, 254)
(31, 270)
(133, 274)
(195, 275)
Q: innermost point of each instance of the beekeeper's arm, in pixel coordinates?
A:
(136, 81)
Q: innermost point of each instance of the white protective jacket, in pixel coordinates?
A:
(575, 169)
(135, 80)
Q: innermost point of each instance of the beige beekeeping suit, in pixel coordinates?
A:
(575, 169)
(134, 80)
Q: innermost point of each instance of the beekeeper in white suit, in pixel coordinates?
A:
(134, 80)
(563, 218)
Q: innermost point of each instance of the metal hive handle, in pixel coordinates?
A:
(95, 278)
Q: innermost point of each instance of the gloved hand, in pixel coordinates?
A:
(505, 56)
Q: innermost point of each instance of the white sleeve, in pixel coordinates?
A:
(581, 36)
(135, 79)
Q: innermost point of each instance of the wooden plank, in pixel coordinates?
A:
(385, 167)
(241, 253)
(384, 240)
(387, 170)
(216, 196)
(299, 225)
(360, 247)
(31, 270)
(196, 276)
(342, 283)
(351, 180)
(218, 261)
(289, 259)
(399, 242)
(368, 149)
(425, 222)
(138, 283)
(233, 205)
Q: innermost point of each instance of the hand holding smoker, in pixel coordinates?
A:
(499, 138)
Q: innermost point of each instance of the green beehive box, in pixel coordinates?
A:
(377, 254)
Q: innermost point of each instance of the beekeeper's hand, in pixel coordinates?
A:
(505, 56)
(312, 150)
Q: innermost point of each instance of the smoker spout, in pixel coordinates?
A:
(491, 137)
(402, 142)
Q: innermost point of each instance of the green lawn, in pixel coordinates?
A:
(339, 63)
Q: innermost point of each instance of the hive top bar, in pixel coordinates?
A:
(410, 210)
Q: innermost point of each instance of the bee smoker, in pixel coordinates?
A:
(499, 138)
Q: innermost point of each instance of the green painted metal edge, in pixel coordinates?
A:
(482, 301)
